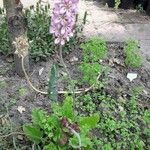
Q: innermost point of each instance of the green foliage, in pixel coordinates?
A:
(93, 51)
(117, 3)
(38, 21)
(34, 133)
(123, 123)
(67, 108)
(52, 91)
(91, 122)
(22, 91)
(90, 72)
(132, 59)
(54, 131)
(146, 116)
(40, 40)
(4, 39)
(50, 147)
(140, 8)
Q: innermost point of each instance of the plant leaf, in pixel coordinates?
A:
(50, 147)
(67, 108)
(91, 121)
(33, 133)
(38, 116)
(52, 91)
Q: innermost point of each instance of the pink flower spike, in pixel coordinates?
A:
(63, 20)
(62, 31)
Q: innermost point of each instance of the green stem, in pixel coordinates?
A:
(66, 69)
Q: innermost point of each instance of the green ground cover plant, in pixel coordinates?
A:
(133, 58)
(94, 50)
(124, 124)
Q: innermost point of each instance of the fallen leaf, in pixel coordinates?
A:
(21, 109)
(131, 76)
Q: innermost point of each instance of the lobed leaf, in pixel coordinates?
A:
(33, 133)
(91, 121)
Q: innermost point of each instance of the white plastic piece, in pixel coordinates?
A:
(131, 76)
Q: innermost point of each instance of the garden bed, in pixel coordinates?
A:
(16, 93)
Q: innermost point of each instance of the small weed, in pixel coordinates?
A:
(117, 3)
(90, 72)
(140, 8)
(85, 104)
(22, 91)
(3, 84)
(93, 51)
(132, 59)
(123, 122)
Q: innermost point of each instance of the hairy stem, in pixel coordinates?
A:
(78, 137)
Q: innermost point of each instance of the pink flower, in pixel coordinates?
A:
(63, 20)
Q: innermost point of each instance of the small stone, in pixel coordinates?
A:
(21, 109)
(74, 59)
(20, 137)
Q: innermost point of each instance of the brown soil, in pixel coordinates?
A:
(117, 83)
